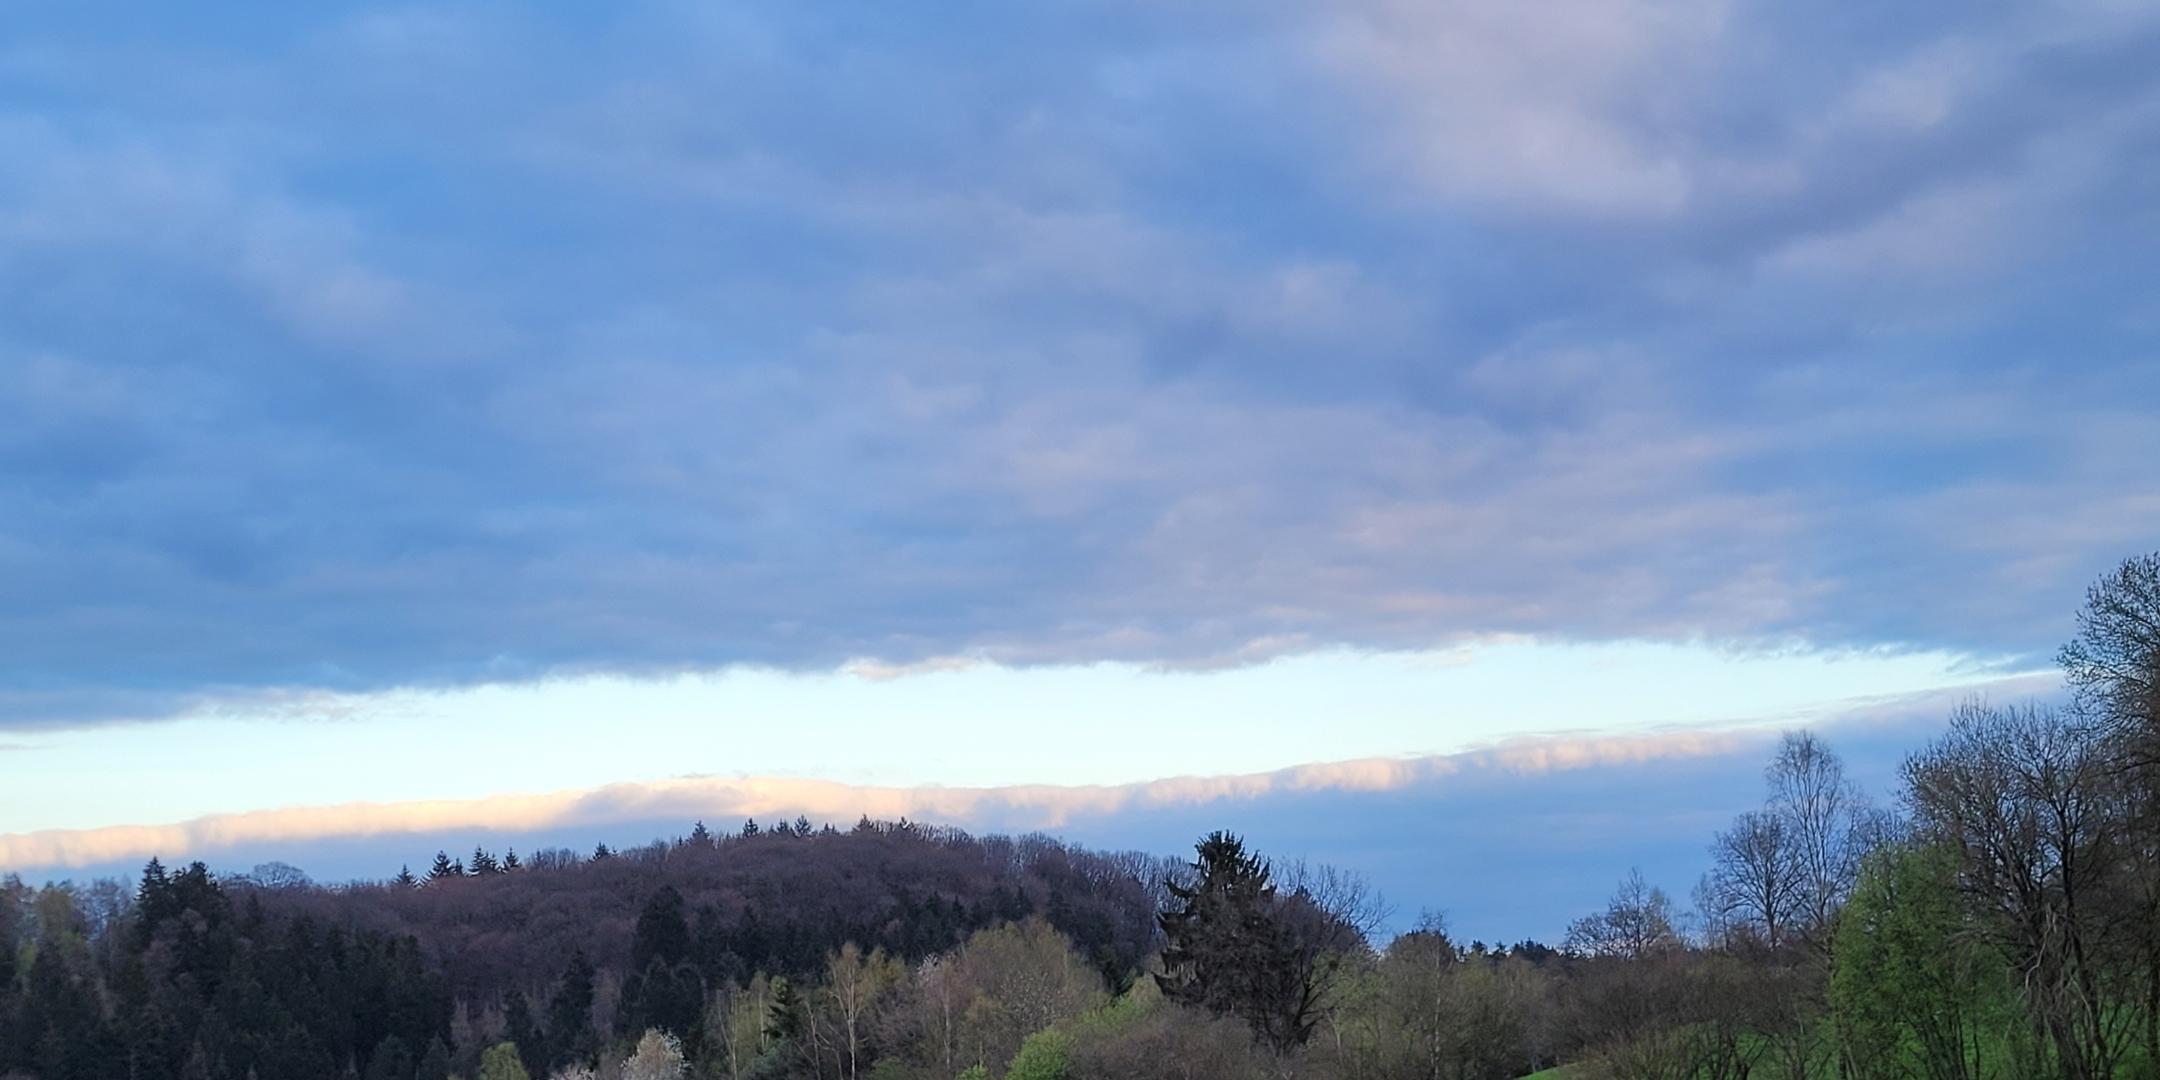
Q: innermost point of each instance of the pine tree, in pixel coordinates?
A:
(390, 1061)
(523, 1032)
(483, 863)
(784, 1018)
(802, 825)
(601, 851)
(444, 868)
(510, 861)
(405, 878)
(569, 1024)
(151, 897)
(435, 1063)
(750, 827)
(662, 933)
(700, 836)
(1226, 947)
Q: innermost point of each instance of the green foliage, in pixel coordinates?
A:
(1046, 1055)
(974, 1072)
(1914, 993)
(501, 1062)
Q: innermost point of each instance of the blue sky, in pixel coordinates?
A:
(475, 400)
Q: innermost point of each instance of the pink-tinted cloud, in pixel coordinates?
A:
(688, 798)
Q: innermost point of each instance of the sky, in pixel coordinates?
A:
(1427, 436)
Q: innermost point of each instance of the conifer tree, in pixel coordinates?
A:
(662, 933)
(569, 1014)
(510, 861)
(405, 878)
(1229, 948)
(391, 1060)
(784, 1017)
(524, 1032)
(444, 868)
(150, 896)
(483, 863)
(700, 836)
(435, 1063)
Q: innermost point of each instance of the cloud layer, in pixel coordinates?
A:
(346, 349)
(719, 799)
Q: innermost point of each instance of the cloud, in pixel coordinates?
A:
(657, 339)
(1532, 108)
(687, 798)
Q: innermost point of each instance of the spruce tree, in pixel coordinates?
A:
(444, 868)
(510, 861)
(483, 863)
(662, 933)
(1226, 947)
(569, 1015)
(700, 836)
(523, 1032)
(391, 1060)
(405, 878)
(153, 896)
(435, 1063)
(784, 1017)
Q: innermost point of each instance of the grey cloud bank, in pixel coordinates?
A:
(343, 349)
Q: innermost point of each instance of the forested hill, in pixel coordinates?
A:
(777, 900)
(189, 974)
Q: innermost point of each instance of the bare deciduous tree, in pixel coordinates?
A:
(1756, 878)
(2114, 661)
(1826, 821)
(1638, 922)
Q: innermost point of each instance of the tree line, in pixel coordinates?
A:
(1998, 918)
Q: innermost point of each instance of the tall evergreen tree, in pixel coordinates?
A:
(522, 1031)
(435, 1063)
(662, 933)
(152, 896)
(405, 878)
(483, 863)
(444, 868)
(1231, 945)
(391, 1060)
(510, 861)
(569, 1015)
(784, 1017)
